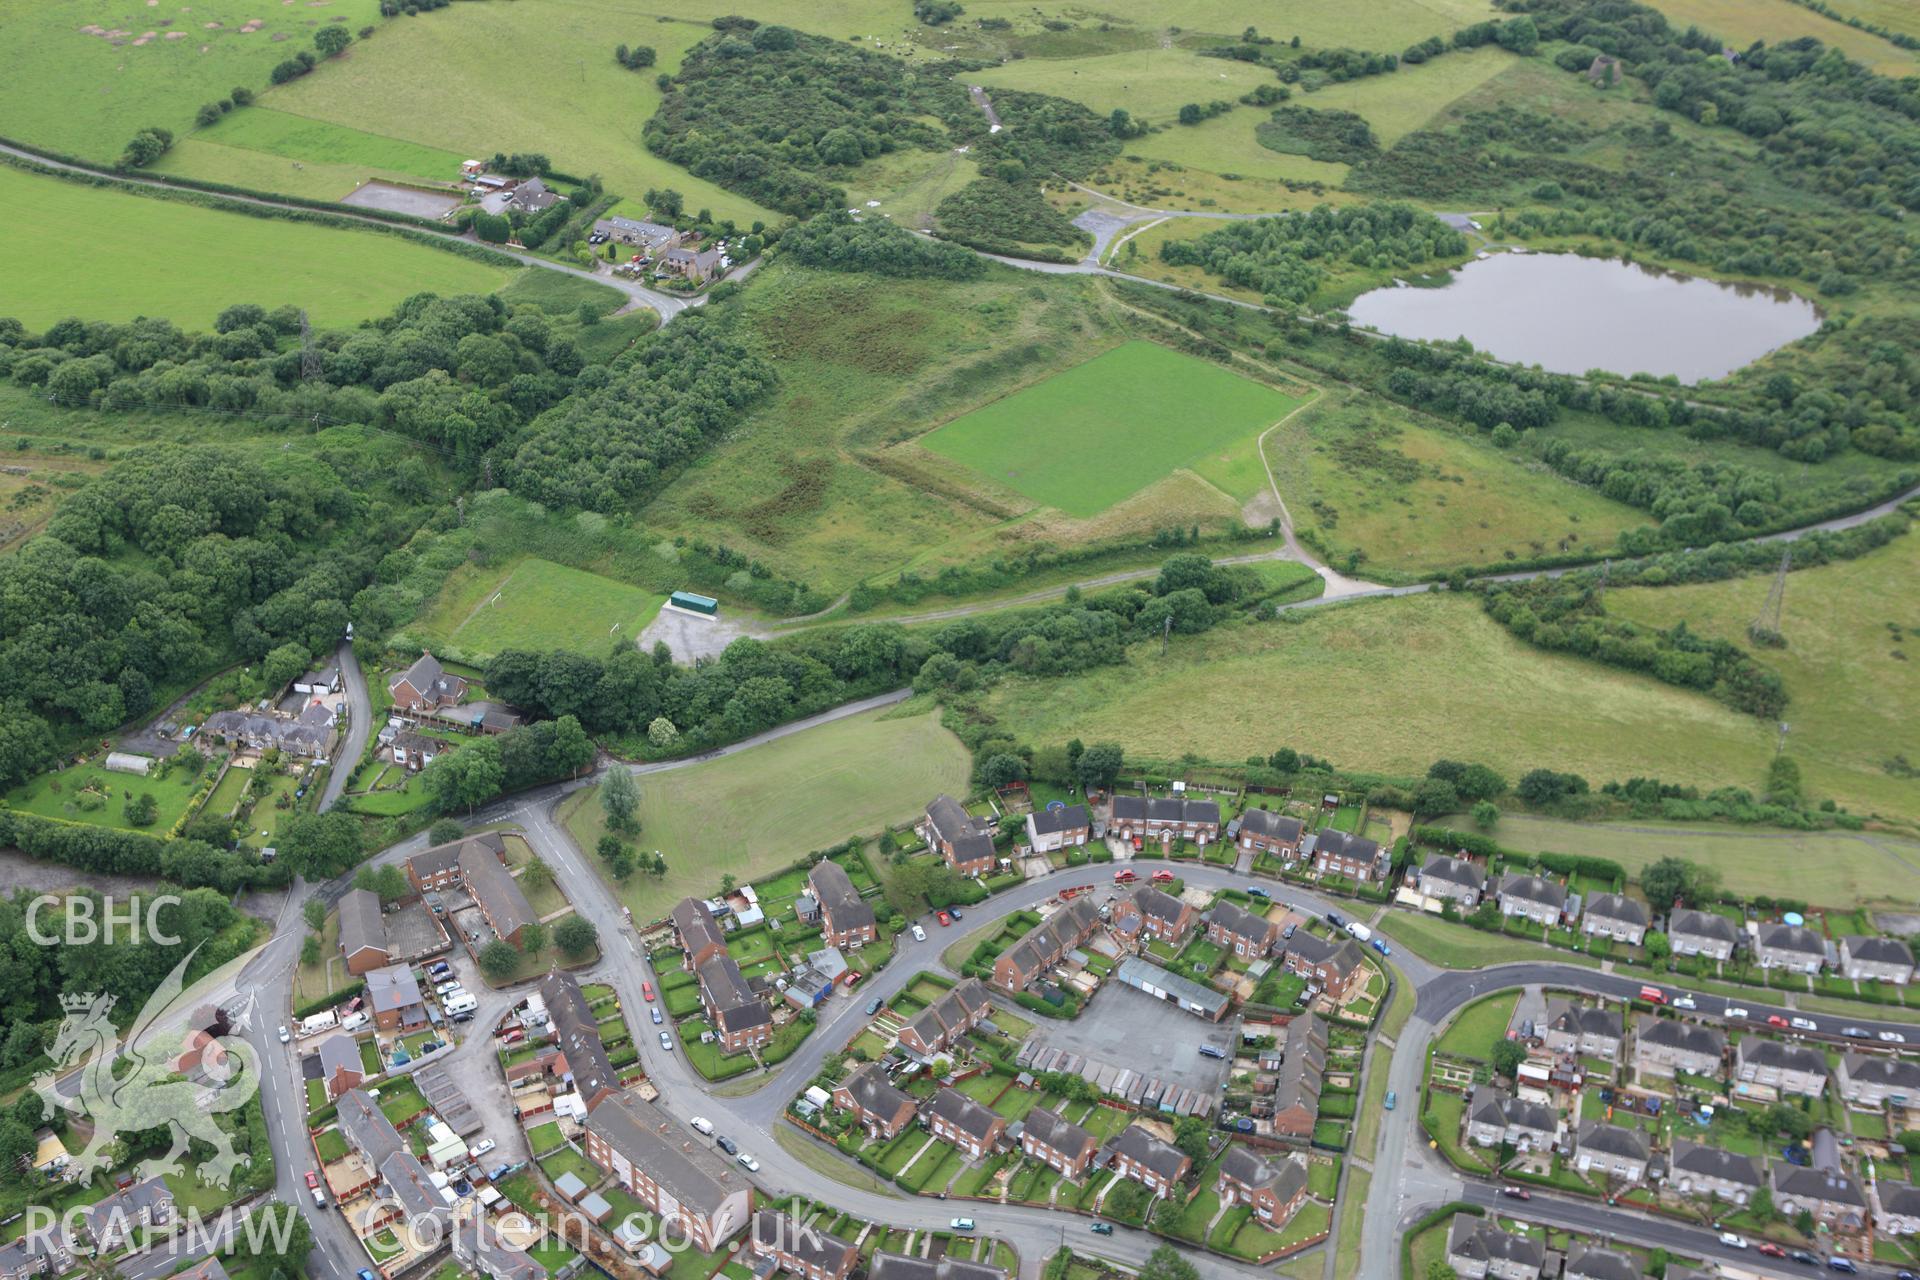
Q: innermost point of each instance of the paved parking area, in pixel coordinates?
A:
(412, 932)
(1130, 1028)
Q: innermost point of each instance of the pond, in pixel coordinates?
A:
(1569, 314)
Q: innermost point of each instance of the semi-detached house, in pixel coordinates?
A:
(1610, 1150)
(1275, 1191)
(1150, 913)
(699, 933)
(877, 1106)
(1616, 916)
(740, 1018)
(1495, 1116)
(939, 1026)
(1249, 936)
(1701, 933)
(1045, 945)
(1336, 853)
(1583, 1029)
(1534, 898)
(1056, 1142)
(1478, 1249)
(1869, 1080)
(952, 832)
(1664, 1046)
(1333, 966)
(1713, 1173)
(1876, 960)
(1165, 819)
(1274, 834)
(955, 1118)
(800, 1250)
(847, 917)
(1792, 947)
(1775, 1064)
(1456, 879)
(1063, 827)
(1137, 1154)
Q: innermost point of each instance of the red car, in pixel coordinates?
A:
(313, 1179)
(1775, 1020)
(1125, 876)
(853, 976)
(1163, 877)
(944, 919)
(1517, 1193)
(646, 989)
(1766, 1248)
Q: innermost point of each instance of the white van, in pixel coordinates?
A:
(919, 934)
(1359, 931)
(702, 1125)
(462, 1003)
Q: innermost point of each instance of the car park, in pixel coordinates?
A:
(657, 1019)
(666, 1042)
(1805, 1024)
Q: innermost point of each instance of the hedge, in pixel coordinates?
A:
(324, 1003)
(1433, 1219)
(192, 864)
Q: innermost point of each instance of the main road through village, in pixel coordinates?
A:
(1408, 1178)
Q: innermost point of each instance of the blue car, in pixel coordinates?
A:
(365, 1273)
(1393, 1098)
(1380, 945)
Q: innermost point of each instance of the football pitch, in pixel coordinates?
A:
(1100, 432)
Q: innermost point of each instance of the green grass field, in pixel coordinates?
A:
(188, 263)
(1360, 474)
(587, 116)
(1848, 665)
(541, 605)
(104, 71)
(1895, 15)
(1741, 22)
(1087, 438)
(319, 142)
(759, 810)
(1457, 946)
(1830, 868)
(1377, 685)
(1395, 105)
(70, 792)
(1383, 24)
(1151, 83)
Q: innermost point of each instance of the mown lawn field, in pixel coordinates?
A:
(587, 118)
(1411, 495)
(1741, 22)
(343, 154)
(762, 809)
(1853, 634)
(1383, 24)
(1822, 867)
(92, 794)
(1150, 83)
(542, 605)
(1378, 685)
(1397, 104)
(1895, 15)
(1458, 946)
(102, 71)
(192, 262)
(1100, 432)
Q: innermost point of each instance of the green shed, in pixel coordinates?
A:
(699, 604)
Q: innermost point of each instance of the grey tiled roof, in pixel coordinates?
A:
(689, 1170)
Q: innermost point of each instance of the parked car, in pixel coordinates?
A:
(1289, 931)
(747, 1162)
(1685, 1001)
(313, 1179)
(1892, 1037)
(1334, 918)
(666, 1042)
(1256, 891)
(962, 1224)
(1768, 1249)
(1775, 1020)
(439, 969)
(284, 1037)
(953, 913)
(1163, 876)
(919, 934)
(1516, 1193)
(852, 977)
(365, 1273)
(1212, 1051)
(1393, 1099)
(1732, 1241)
(657, 1019)
(646, 989)
(1735, 1013)
(727, 1145)
(944, 919)
(500, 1171)
(479, 1148)
(1103, 1228)
(446, 986)
(1838, 1263)
(1854, 1033)
(1801, 1255)
(1380, 945)
(873, 1005)
(319, 1198)
(1805, 1024)
(463, 1017)
(1653, 995)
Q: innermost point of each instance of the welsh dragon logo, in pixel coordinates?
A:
(132, 1084)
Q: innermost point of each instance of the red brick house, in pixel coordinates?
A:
(965, 844)
(1045, 945)
(698, 932)
(1331, 966)
(425, 687)
(478, 865)
(363, 934)
(879, 1108)
(1335, 853)
(740, 1018)
(340, 1066)
(1165, 819)
(698, 1193)
(1062, 1146)
(1150, 913)
(1157, 1165)
(958, 1119)
(1250, 937)
(846, 918)
(798, 1250)
(1295, 1101)
(1276, 1191)
(936, 1028)
(1277, 835)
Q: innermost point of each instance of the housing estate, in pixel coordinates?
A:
(1333, 966)
(1616, 916)
(740, 1018)
(1336, 853)
(1137, 1154)
(1664, 1046)
(1610, 1150)
(363, 932)
(939, 1026)
(971, 1126)
(1701, 933)
(1249, 936)
(1713, 1173)
(1876, 960)
(1165, 819)
(1271, 833)
(800, 1250)
(1495, 1116)
(847, 917)
(1445, 876)
(692, 1188)
(1869, 1080)
(576, 1032)
(1792, 947)
(1058, 1143)
(1275, 1190)
(1583, 1029)
(1150, 913)
(1045, 945)
(1295, 1103)
(877, 1106)
(697, 931)
(476, 864)
(1059, 827)
(112, 1223)
(1534, 898)
(308, 736)
(1477, 1248)
(965, 844)
(393, 995)
(1780, 1066)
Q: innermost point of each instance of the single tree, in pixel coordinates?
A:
(620, 797)
(499, 961)
(575, 936)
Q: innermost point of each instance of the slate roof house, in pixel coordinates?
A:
(1249, 936)
(1775, 1064)
(740, 1018)
(1495, 1116)
(1713, 1173)
(1793, 947)
(308, 736)
(879, 1108)
(802, 1251)
(1610, 1150)
(1868, 1080)
(1583, 1029)
(1045, 945)
(477, 864)
(698, 932)
(954, 1117)
(1303, 1070)
(1662, 1046)
(900, 1266)
(1445, 876)
(1899, 1209)
(1276, 1191)
(425, 686)
(1592, 1262)
(650, 236)
(1701, 933)
(1149, 913)
(1616, 916)
(1876, 960)
(1332, 966)
(1165, 818)
(394, 996)
(849, 917)
(576, 1031)
(939, 1026)
(1271, 833)
(1477, 1249)
(1065, 827)
(340, 1066)
(1534, 898)
(363, 933)
(1335, 853)
(691, 1187)
(966, 845)
(112, 1223)
(1137, 1154)
(1832, 1197)
(1062, 1146)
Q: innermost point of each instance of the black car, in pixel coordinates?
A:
(727, 1145)
(1801, 1255)
(1333, 918)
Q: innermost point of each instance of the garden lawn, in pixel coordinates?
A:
(759, 810)
(1458, 946)
(1375, 684)
(1474, 1031)
(1090, 436)
(57, 795)
(541, 605)
(198, 261)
